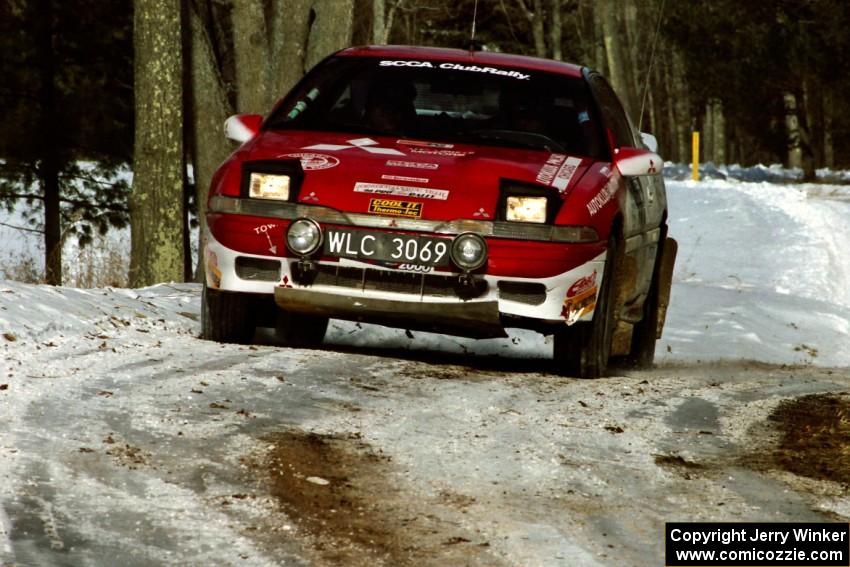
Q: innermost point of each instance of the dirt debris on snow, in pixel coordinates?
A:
(342, 494)
(815, 440)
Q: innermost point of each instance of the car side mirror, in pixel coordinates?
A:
(636, 161)
(242, 127)
(649, 141)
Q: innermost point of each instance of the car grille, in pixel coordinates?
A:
(529, 293)
(393, 281)
(257, 269)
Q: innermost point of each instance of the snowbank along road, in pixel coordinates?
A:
(122, 435)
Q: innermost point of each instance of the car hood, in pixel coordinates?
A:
(353, 172)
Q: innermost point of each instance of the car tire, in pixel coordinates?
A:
(227, 317)
(296, 329)
(582, 350)
(645, 331)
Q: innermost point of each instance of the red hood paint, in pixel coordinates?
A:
(460, 180)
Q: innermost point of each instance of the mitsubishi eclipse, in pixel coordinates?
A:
(443, 190)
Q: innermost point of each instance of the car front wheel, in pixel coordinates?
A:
(582, 350)
(227, 317)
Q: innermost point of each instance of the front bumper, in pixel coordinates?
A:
(432, 301)
(475, 319)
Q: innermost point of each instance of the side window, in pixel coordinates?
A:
(612, 112)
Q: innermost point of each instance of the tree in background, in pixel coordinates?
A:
(775, 67)
(244, 56)
(157, 205)
(66, 96)
(761, 81)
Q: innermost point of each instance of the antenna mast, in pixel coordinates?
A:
(472, 35)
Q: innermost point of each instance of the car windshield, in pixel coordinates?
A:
(445, 102)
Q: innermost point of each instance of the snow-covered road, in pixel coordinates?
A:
(122, 435)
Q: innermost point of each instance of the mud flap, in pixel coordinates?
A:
(665, 281)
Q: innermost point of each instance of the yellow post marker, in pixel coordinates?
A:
(695, 166)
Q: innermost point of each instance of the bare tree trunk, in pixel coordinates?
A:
(555, 32)
(635, 75)
(209, 109)
(614, 53)
(538, 30)
(48, 168)
(809, 115)
(792, 131)
(289, 30)
(600, 55)
(331, 30)
(388, 26)
(707, 135)
(535, 17)
(718, 142)
(157, 199)
(669, 94)
(828, 115)
(681, 106)
(251, 52)
(378, 20)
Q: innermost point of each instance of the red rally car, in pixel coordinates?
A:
(453, 191)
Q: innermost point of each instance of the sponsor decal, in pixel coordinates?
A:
(213, 272)
(392, 207)
(284, 281)
(558, 171)
(603, 197)
(412, 164)
(582, 285)
(580, 299)
(547, 173)
(565, 174)
(311, 197)
(481, 213)
(313, 162)
(401, 191)
(424, 144)
(445, 153)
(366, 144)
(403, 178)
(454, 67)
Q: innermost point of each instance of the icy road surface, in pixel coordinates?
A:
(124, 438)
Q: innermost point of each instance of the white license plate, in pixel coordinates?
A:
(387, 247)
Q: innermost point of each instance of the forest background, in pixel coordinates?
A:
(93, 87)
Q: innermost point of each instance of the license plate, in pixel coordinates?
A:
(387, 247)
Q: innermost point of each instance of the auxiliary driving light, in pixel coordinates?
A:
(303, 237)
(469, 251)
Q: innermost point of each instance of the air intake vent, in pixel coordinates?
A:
(529, 293)
(257, 269)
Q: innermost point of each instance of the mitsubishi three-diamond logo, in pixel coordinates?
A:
(367, 144)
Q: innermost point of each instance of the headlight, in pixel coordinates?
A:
(268, 186)
(526, 209)
(469, 251)
(303, 237)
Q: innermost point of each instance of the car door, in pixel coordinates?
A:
(640, 213)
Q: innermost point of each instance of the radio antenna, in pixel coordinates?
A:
(472, 35)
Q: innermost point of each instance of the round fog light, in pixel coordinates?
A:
(303, 237)
(469, 251)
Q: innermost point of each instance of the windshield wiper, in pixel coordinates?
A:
(531, 140)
